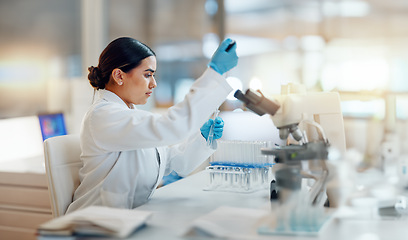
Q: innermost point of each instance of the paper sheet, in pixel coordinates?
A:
(229, 222)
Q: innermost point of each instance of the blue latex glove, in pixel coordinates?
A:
(223, 61)
(172, 177)
(218, 128)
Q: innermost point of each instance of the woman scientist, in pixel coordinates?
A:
(127, 151)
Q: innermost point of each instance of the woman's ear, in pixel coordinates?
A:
(117, 76)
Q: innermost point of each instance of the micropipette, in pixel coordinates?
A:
(230, 46)
(210, 137)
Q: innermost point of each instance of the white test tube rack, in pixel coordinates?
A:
(239, 166)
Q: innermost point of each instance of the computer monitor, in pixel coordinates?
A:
(52, 125)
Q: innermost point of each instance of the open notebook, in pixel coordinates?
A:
(96, 221)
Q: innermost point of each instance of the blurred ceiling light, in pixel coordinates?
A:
(236, 84)
(346, 8)
(255, 83)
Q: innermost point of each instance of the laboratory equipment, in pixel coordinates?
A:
(230, 46)
(295, 108)
(311, 124)
(210, 137)
(239, 166)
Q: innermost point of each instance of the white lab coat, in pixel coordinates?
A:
(126, 152)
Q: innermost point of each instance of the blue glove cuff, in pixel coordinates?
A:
(215, 68)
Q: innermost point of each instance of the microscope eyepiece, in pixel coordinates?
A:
(240, 96)
(257, 102)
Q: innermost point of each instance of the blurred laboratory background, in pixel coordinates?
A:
(358, 48)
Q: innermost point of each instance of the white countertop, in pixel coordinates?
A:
(175, 206)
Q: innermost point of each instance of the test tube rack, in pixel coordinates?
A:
(239, 166)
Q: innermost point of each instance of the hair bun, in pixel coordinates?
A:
(95, 77)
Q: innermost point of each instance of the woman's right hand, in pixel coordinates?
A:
(225, 58)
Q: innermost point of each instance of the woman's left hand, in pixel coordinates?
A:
(218, 128)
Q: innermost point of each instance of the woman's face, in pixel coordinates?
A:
(139, 82)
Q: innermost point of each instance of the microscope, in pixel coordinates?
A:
(311, 124)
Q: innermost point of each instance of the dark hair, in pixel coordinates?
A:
(124, 53)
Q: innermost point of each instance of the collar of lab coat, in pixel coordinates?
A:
(112, 97)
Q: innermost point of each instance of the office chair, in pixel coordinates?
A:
(62, 164)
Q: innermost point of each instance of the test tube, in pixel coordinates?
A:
(210, 137)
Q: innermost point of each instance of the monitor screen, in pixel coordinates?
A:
(52, 125)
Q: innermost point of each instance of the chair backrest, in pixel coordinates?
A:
(62, 164)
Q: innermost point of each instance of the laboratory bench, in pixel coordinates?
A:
(24, 204)
(24, 199)
(176, 206)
